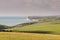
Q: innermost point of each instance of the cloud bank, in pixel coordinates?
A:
(29, 7)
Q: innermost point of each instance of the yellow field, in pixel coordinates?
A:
(27, 36)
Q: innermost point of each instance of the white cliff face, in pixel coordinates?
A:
(35, 20)
(32, 19)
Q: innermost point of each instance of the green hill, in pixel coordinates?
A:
(39, 28)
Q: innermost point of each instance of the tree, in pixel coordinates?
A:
(3, 26)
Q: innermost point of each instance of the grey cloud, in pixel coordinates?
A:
(30, 7)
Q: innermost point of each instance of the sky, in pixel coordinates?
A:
(29, 7)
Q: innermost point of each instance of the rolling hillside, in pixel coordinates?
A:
(39, 28)
(47, 29)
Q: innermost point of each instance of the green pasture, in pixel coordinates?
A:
(39, 27)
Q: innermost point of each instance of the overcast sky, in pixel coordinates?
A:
(29, 7)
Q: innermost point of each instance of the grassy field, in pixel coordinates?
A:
(27, 36)
(40, 28)
(39, 31)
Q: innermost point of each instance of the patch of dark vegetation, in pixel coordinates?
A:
(2, 30)
(24, 24)
(3, 26)
(38, 32)
(43, 32)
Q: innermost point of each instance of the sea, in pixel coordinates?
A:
(11, 21)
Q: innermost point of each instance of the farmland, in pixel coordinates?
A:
(39, 31)
(27, 36)
(47, 29)
(39, 28)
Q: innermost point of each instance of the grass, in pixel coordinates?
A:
(39, 27)
(33, 32)
(27, 36)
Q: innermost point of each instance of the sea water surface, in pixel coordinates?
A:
(11, 21)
